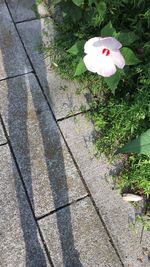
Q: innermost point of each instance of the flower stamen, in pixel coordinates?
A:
(106, 51)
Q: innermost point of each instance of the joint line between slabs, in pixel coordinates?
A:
(15, 76)
(33, 69)
(37, 78)
(32, 19)
(94, 204)
(73, 115)
(26, 192)
(61, 208)
(3, 144)
(46, 249)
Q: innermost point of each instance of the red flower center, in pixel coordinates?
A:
(106, 51)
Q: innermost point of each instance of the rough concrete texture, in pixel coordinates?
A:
(26, 9)
(118, 215)
(61, 94)
(74, 234)
(76, 238)
(20, 242)
(145, 243)
(13, 60)
(49, 173)
(2, 136)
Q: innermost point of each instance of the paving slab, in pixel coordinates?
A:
(26, 9)
(145, 244)
(50, 175)
(20, 242)
(13, 60)
(2, 136)
(61, 93)
(76, 238)
(119, 216)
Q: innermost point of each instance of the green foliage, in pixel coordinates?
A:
(145, 222)
(112, 82)
(135, 176)
(78, 2)
(91, 12)
(77, 48)
(101, 8)
(125, 117)
(139, 145)
(126, 38)
(120, 109)
(71, 11)
(129, 56)
(55, 2)
(108, 30)
(80, 68)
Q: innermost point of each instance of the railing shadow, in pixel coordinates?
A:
(19, 89)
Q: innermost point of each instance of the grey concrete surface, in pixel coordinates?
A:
(61, 93)
(49, 173)
(118, 215)
(13, 60)
(26, 9)
(85, 242)
(2, 136)
(72, 230)
(20, 244)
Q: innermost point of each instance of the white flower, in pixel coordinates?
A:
(103, 56)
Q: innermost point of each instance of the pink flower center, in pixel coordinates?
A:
(106, 51)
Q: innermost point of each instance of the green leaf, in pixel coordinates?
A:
(126, 38)
(139, 145)
(112, 82)
(77, 48)
(101, 8)
(108, 30)
(80, 68)
(78, 2)
(71, 11)
(55, 2)
(130, 57)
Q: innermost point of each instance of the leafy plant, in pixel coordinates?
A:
(91, 12)
(139, 145)
(120, 109)
(77, 50)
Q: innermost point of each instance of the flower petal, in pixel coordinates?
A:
(118, 59)
(106, 67)
(111, 43)
(101, 64)
(92, 44)
(90, 62)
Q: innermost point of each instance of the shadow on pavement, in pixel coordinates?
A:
(18, 112)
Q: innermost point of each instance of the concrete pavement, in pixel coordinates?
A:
(57, 209)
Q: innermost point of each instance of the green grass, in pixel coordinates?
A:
(136, 175)
(117, 119)
(121, 117)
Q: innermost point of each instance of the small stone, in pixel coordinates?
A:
(42, 11)
(132, 198)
